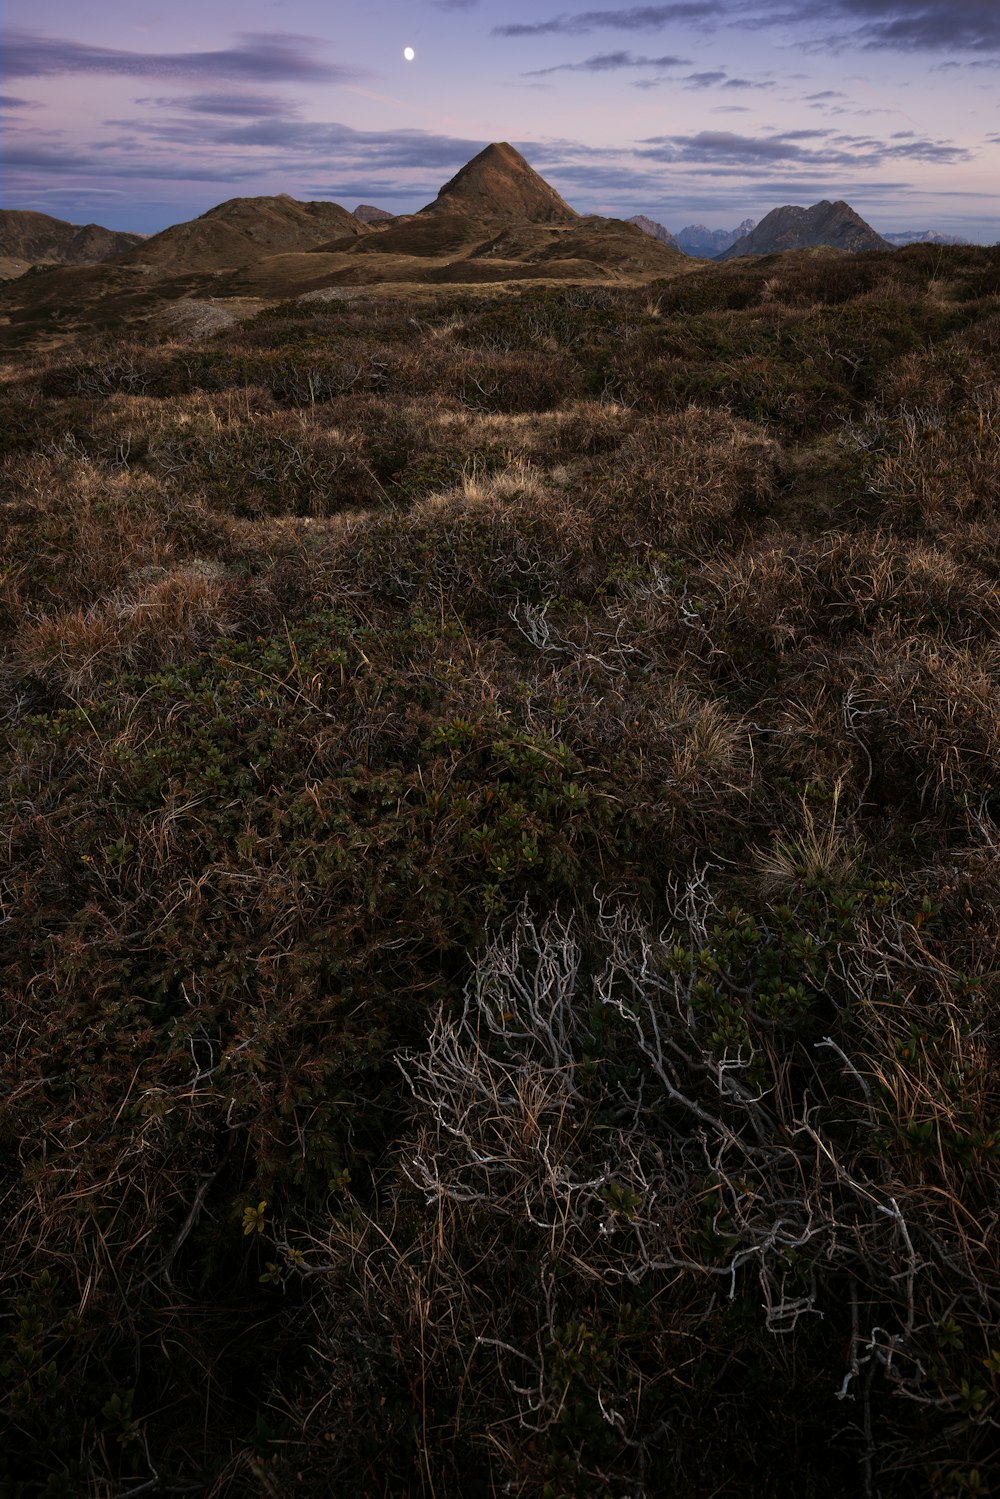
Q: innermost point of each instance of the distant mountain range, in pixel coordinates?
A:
(790, 228)
(923, 237)
(495, 222)
(696, 239)
(496, 194)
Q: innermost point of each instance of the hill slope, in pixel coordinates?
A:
(793, 228)
(242, 230)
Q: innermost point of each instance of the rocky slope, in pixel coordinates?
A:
(653, 229)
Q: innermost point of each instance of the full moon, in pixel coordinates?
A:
(409, 54)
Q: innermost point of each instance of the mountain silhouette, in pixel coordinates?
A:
(792, 228)
(498, 186)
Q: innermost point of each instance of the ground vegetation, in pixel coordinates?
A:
(501, 893)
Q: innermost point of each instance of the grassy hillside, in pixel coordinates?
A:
(500, 908)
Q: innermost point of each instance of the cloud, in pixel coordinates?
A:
(42, 160)
(719, 78)
(713, 146)
(704, 80)
(366, 190)
(83, 192)
(620, 181)
(983, 62)
(260, 56)
(243, 106)
(11, 101)
(925, 25)
(723, 150)
(261, 144)
(636, 18)
(609, 62)
(826, 93)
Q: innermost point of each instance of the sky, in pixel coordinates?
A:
(137, 114)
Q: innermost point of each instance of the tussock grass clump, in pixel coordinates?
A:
(500, 900)
(927, 465)
(160, 621)
(684, 477)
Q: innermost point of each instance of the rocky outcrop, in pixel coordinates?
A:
(653, 229)
(368, 214)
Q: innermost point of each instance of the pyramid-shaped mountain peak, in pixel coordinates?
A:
(499, 186)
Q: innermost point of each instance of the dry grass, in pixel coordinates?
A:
(684, 478)
(160, 622)
(585, 700)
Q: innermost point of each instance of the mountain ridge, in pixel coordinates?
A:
(698, 239)
(240, 230)
(923, 237)
(28, 238)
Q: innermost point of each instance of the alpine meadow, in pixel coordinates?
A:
(500, 905)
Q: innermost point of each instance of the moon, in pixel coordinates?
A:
(409, 54)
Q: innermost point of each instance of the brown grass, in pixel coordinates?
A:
(500, 899)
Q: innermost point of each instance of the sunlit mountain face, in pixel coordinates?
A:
(698, 112)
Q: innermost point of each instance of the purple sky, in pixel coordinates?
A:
(138, 114)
